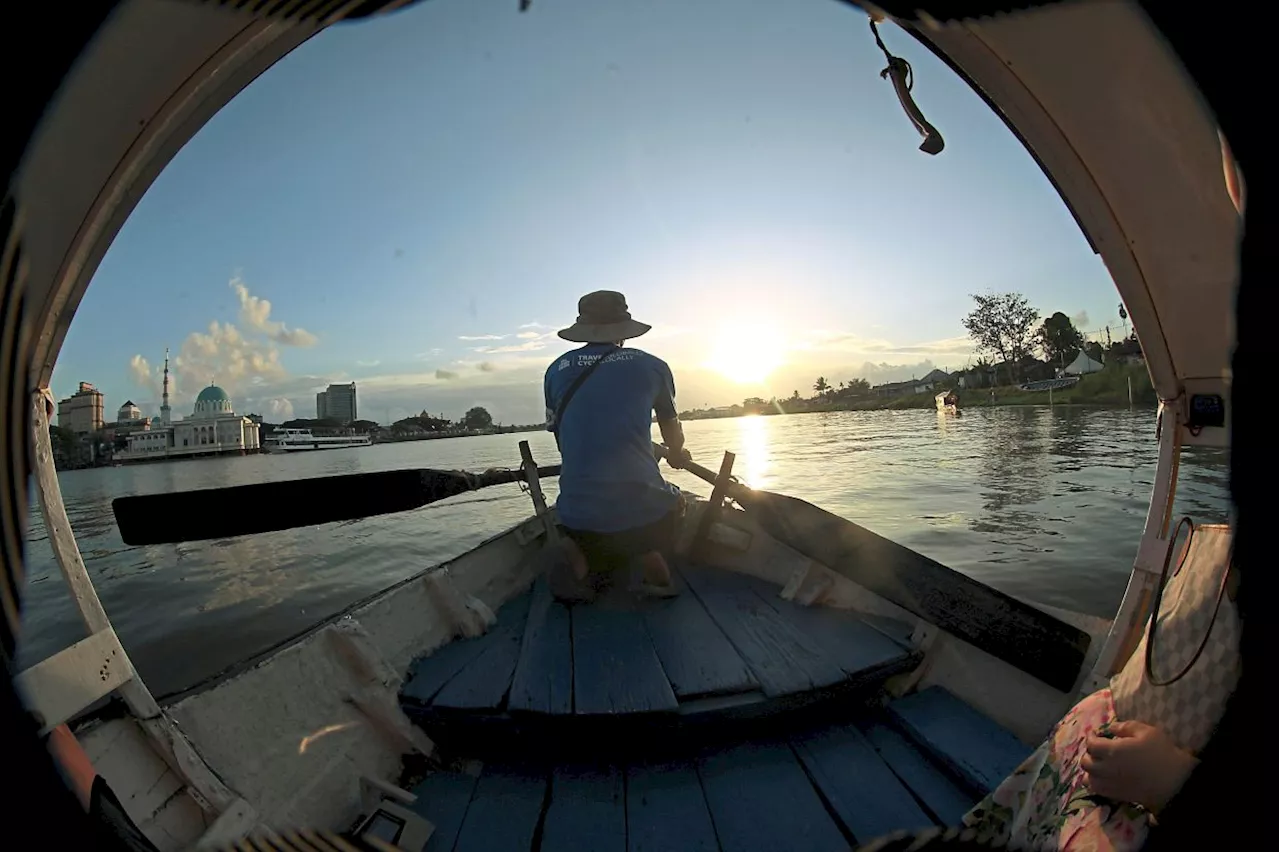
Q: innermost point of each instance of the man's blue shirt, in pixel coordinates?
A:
(609, 479)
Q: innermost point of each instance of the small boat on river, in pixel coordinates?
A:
(948, 402)
(815, 685)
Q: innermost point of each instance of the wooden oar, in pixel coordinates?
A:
(270, 506)
(1003, 626)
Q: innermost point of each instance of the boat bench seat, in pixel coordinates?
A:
(978, 751)
(727, 646)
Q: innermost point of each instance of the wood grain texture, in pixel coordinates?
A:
(696, 655)
(840, 634)
(666, 810)
(443, 799)
(977, 749)
(864, 793)
(587, 812)
(543, 681)
(946, 801)
(615, 668)
(761, 799)
(504, 811)
(782, 659)
(485, 681)
(430, 674)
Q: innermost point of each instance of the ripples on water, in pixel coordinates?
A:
(1046, 504)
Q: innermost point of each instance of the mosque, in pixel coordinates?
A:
(212, 429)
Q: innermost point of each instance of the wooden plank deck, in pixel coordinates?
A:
(860, 788)
(946, 801)
(543, 680)
(587, 811)
(761, 799)
(783, 658)
(666, 809)
(615, 668)
(829, 788)
(727, 635)
(972, 746)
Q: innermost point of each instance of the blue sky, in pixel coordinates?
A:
(416, 202)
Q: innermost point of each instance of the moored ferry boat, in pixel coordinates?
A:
(303, 440)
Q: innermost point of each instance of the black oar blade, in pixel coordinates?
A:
(270, 506)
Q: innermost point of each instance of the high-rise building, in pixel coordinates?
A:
(337, 403)
(82, 411)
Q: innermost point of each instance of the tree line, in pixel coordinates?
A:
(1004, 325)
(1008, 333)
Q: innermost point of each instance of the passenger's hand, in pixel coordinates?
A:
(1137, 763)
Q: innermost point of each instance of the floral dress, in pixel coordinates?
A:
(1045, 804)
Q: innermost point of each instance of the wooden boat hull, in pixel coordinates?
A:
(269, 723)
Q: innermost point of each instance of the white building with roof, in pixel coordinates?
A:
(212, 429)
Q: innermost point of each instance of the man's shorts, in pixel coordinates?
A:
(612, 551)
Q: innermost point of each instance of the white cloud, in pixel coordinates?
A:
(246, 363)
(140, 371)
(1080, 320)
(255, 313)
(821, 340)
(527, 346)
(529, 335)
(483, 336)
(279, 410)
(372, 363)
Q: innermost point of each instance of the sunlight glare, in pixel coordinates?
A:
(746, 354)
(753, 457)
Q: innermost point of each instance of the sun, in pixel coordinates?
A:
(746, 355)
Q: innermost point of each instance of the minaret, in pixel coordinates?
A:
(164, 403)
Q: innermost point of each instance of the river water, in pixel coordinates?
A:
(1043, 503)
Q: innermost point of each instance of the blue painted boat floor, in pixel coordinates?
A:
(829, 787)
(727, 649)
(724, 719)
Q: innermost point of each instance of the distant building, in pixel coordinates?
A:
(128, 413)
(81, 412)
(905, 388)
(212, 429)
(337, 403)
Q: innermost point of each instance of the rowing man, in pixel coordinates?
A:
(614, 505)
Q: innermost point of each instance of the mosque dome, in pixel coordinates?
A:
(213, 402)
(128, 413)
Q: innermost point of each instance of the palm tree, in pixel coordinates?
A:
(821, 386)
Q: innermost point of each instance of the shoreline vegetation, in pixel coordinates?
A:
(1108, 388)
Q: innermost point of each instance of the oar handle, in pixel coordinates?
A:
(705, 474)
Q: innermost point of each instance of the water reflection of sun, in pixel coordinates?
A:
(752, 464)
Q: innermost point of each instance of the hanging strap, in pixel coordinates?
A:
(573, 389)
(1155, 608)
